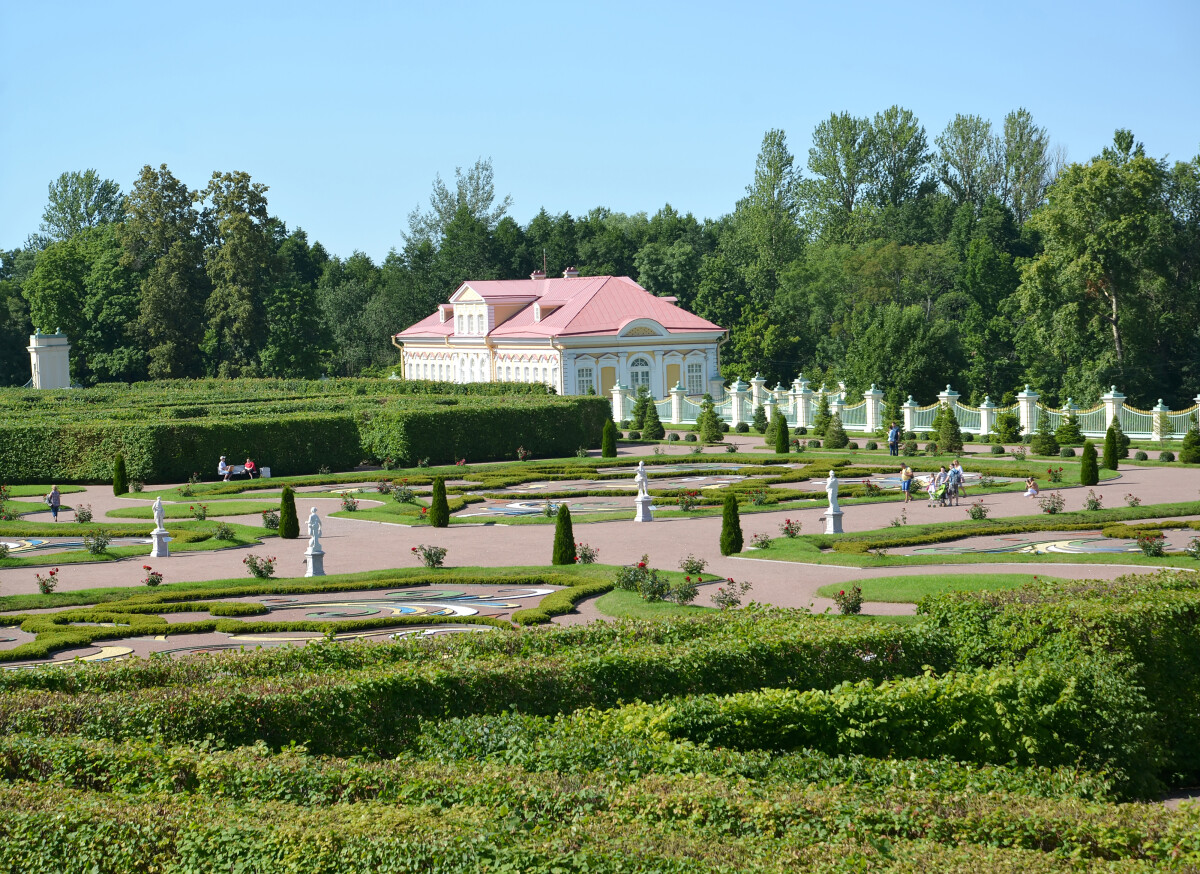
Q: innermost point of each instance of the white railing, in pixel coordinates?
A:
(855, 417)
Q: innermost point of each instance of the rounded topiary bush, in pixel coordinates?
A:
(931, 448)
(814, 444)
(673, 437)
(743, 428)
(690, 437)
(1140, 456)
(852, 445)
(1168, 455)
(635, 435)
(968, 437)
(997, 449)
(910, 435)
(1066, 452)
(724, 427)
(871, 444)
(802, 431)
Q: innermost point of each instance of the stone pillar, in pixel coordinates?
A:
(1114, 407)
(987, 416)
(618, 402)
(49, 357)
(769, 406)
(949, 397)
(1027, 410)
(837, 403)
(803, 403)
(737, 391)
(677, 394)
(909, 407)
(1155, 424)
(758, 390)
(160, 549)
(316, 562)
(874, 399)
(1070, 408)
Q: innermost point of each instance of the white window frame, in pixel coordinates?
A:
(695, 386)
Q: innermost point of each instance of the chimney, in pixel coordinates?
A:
(570, 273)
(537, 274)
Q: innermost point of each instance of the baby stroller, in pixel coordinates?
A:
(939, 493)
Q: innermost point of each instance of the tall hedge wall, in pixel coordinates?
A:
(169, 430)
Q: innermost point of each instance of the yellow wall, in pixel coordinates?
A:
(608, 378)
(672, 376)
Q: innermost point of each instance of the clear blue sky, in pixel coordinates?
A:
(348, 110)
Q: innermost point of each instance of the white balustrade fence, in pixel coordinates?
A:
(799, 406)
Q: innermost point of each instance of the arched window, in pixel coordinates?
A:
(639, 372)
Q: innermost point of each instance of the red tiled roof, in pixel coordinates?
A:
(596, 305)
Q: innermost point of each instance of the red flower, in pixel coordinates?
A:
(641, 564)
(414, 549)
(146, 567)
(689, 579)
(842, 592)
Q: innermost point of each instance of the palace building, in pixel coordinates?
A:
(577, 334)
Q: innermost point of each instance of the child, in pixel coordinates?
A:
(54, 499)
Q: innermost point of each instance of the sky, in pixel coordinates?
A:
(348, 111)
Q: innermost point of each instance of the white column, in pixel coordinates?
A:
(738, 391)
(804, 399)
(909, 407)
(1114, 406)
(987, 416)
(677, 394)
(874, 399)
(1155, 425)
(757, 395)
(949, 397)
(1027, 409)
(618, 402)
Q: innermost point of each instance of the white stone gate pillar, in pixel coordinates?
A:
(874, 399)
(1027, 409)
(910, 408)
(1114, 407)
(987, 416)
(737, 391)
(677, 394)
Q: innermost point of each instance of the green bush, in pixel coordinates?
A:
(1043, 442)
(731, 527)
(289, 522)
(1068, 432)
(608, 440)
(782, 438)
(708, 424)
(1066, 452)
(1089, 473)
(1190, 453)
(564, 537)
(949, 433)
(760, 419)
(439, 509)
(654, 429)
(823, 416)
(120, 477)
(1008, 428)
(997, 449)
(835, 434)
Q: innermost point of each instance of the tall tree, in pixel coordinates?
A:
(240, 265)
(900, 156)
(475, 189)
(841, 161)
(1026, 168)
(968, 158)
(161, 244)
(78, 201)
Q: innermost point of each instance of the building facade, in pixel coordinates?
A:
(577, 334)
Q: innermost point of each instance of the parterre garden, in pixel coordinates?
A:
(1025, 730)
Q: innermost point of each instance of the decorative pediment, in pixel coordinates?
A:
(466, 294)
(642, 328)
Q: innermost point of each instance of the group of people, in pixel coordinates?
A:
(226, 471)
(944, 487)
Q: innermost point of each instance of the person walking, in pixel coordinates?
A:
(906, 480)
(54, 499)
(894, 440)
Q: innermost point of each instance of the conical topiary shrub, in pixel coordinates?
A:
(608, 440)
(120, 478)
(822, 418)
(731, 527)
(835, 434)
(439, 509)
(1110, 446)
(289, 522)
(564, 537)
(640, 406)
(760, 419)
(949, 434)
(653, 429)
(1043, 442)
(1089, 472)
(782, 442)
(708, 423)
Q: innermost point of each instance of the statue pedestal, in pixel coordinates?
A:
(833, 522)
(160, 548)
(316, 563)
(642, 504)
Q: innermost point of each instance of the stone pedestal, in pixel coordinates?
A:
(316, 563)
(833, 522)
(160, 548)
(642, 504)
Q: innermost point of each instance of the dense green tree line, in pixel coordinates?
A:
(976, 257)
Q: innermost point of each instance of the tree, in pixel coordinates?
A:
(841, 159)
(475, 190)
(968, 159)
(653, 427)
(1068, 432)
(1111, 447)
(835, 433)
(783, 443)
(1190, 452)
(1089, 474)
(161, 245)
(900, 157)
(439, 507)
(949, 433)
(760, 419)
(640, 407)
(239, 263)
(1043, 442)
(823, 417)
(289, 522)
(708, 423)
(120, 478)
(1008, 428)
(78, 201)
(608, 440)
(731, 526)
(1122, 438)
(564, 537)
(1027, 164)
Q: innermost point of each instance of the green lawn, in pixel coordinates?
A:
(623, 604)
(910, 589)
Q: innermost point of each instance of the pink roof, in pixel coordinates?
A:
(595, 305)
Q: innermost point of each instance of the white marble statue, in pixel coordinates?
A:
(160, 515)
(640, 478)
(314, 531)
(831, 489)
